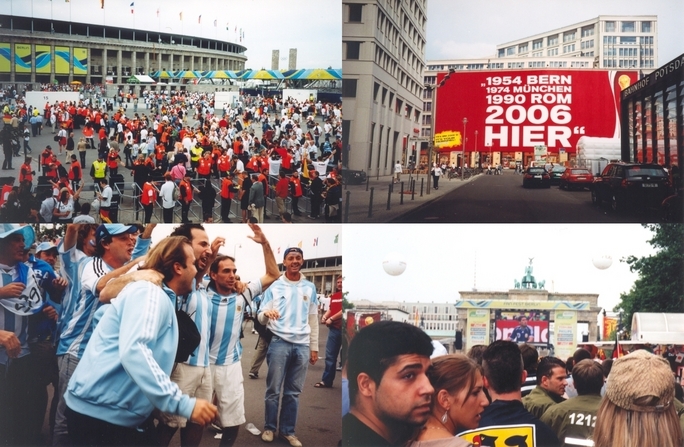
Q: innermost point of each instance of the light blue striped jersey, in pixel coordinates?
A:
(68, 270)
(79, 328)
(227, 314)
(17, 323)
(77, 319)
(198, 306)
(124, 373)
(295, 301)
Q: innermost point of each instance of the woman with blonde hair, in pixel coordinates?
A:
(457, 403)
(638, 407)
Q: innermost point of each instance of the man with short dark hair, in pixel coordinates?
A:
(530, 362)
(522, 333)
(574, 419)
(503, 375)
(551, 381)
(389, 390)
(290, 309)
(225, 349)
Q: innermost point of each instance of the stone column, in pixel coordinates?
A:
(88, 55)
(104, 66)
(134, 69)
(119, 62)
(147, 63)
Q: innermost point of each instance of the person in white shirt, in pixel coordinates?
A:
(397, 172)
(105, 197)
(166, 194)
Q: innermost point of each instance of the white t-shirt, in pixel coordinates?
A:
(166, 193)
(106, 197)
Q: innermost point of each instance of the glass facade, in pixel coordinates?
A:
(652, 117)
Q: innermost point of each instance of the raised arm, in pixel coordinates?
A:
(272, 272)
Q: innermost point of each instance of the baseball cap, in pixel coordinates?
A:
(45, 246)
(637, 377)
(106, 230)
(293, 250)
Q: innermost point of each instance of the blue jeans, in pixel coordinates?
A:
(332, 349)
(287, 365)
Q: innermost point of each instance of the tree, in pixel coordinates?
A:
(346, 304)
(660, 287)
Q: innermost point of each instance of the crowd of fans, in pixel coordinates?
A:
(213, 154)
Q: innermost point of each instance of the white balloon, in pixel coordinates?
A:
(394, 264)
(602, 262)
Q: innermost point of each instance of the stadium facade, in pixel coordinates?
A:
(42, 50)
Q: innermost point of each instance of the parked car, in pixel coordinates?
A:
(536, 176)
(353, 177)
(555, 173)
(576, 178)
(631, 184)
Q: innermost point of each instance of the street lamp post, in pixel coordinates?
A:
(433, 88)
(465, 121)
(433, 115)
(476, 153)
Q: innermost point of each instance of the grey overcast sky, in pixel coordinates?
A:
(470, 29)
(314, 27)
(445, 259)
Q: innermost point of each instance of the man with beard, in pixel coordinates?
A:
(389, 390)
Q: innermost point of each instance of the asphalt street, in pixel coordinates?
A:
(480, 199)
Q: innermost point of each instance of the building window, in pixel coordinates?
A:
(645, 27)
(510, 51)
(353, 50)
(610, 27)
(552, 40)
(588, 31)
(538, 54)
(569, 36)
(537, 44)
(628, 40)
(355, 12)
(609, 40)
(427, 107)
(522, 48)
(569, 48)
(627, 27)
(553, 52)
(501, 52)
(349, 88)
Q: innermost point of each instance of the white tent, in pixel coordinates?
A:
(658, 328)
(144, 79)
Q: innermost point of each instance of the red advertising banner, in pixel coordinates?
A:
(515, 110)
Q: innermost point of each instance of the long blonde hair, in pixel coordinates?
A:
(617, 427)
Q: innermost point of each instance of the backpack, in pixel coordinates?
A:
(174, 195)
(261, 329)
(188, 336)
(61, 171)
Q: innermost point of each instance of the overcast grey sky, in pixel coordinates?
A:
(314, 27)
(445, 259)
(470, 29)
